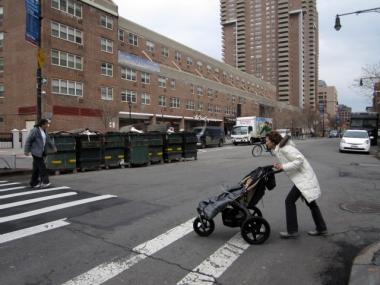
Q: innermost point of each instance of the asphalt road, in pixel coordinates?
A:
(144, 234)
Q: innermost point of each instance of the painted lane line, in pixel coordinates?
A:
(13, 188)
(33, 230)
(216, 264)
(33, 192)
(106, 271)
(54, 208)
(9, 184)
(36, 200)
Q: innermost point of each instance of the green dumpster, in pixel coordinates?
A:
(155, 144)
(189, 146)
(113, 149)
(65, 157)
(173, 146)
(136, 149)
(89, 151)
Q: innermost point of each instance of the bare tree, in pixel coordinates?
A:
(370, 75)
(109, 114)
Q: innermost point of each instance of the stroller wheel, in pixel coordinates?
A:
(203, 227)
(255, 230)
(255, 212)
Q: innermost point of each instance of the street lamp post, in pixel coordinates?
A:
(338, 26)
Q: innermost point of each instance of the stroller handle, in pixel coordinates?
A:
(273, 171)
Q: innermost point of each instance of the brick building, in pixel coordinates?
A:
(104, 72)
(276, 40)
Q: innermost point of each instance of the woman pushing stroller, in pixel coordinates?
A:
(306, 185)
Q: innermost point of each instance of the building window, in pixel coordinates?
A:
(67, 87)
(165, 51)
(150, 46)
(107, 69)
(177, 56)
(145, 78)
(129, 96)
(128, 73)
(68, 6)
(1, 90)
(106, 45)
(162, 101)
(192, 88)
(161, 82)
(200, 106)
(210, 92)
(106, 22)
(172, 83)
(66, 33)
(145, 99)
(174, 102)
(1, 64)
(133, 39)
(121, 35)
(1, 12)
(106, 93)
(189, 61)
(199, 90)
(190, 105)
(66, 59)
(1, 39)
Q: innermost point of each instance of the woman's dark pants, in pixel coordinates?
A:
(39, 173)
(291, 212)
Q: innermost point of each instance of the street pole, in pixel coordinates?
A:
(130, 114)
(323, 122)
(39, 66)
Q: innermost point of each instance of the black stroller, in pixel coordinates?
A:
(238, 207)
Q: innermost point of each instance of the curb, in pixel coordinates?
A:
(15, 172)
(366, 266)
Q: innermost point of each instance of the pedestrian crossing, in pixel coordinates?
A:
(25, 211)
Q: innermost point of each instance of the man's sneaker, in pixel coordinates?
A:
(35, 186)
(45, 185)
(318, 233)
(287, 235)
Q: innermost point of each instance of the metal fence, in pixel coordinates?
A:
(6, 140)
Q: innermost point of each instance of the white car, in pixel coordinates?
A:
(284, 132)
(355, 140)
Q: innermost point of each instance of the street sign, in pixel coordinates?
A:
(40, 57)
(32, 33)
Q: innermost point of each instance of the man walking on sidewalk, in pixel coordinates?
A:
(37, 143)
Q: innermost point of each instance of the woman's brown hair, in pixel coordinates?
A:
(274, 137)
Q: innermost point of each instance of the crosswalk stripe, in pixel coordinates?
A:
(54, 208)
(36, 200)
(33, 192)
(9, 184)
(32, 230)
(216, 264)
(106, 271)
(13, 188)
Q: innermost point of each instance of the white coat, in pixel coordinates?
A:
(298, 170)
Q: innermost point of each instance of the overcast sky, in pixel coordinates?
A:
(342, 54)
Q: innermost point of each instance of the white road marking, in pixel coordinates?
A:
(106, 271)
(216, 149)
(3, 181)
(36, 200)
(9, 184)
(216, 264)
(13, 188)
(32, 230)
(33, 192)
(53, 208)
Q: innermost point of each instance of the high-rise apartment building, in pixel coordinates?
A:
(327, 99)
(277, 41)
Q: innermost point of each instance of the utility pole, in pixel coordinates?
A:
(40, 62)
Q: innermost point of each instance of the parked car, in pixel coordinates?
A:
(333, 134)
(356, 141)
(284, 132)
(209, 136)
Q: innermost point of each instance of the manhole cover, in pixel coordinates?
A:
(361, 207)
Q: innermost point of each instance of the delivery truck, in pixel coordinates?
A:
(250, 129)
